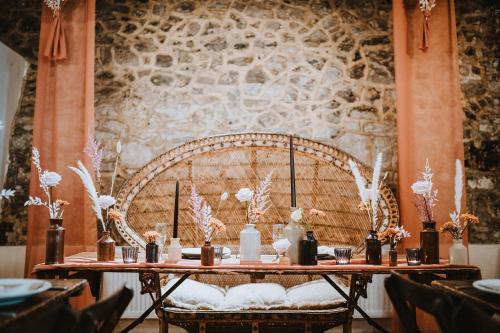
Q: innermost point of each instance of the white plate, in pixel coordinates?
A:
(14, 291)
(490, 286)
(195, 252)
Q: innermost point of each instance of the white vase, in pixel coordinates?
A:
(458, 253)
(175, 250)
(295, 233)
(249, 243)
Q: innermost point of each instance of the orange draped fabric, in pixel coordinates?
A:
(55, 48)
(429, 113)
(64, 115)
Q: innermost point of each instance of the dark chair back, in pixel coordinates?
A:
(103, 316)
(406, 296)
(469, 318)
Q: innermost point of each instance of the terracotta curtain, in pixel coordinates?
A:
(64, 115)
(429, 113)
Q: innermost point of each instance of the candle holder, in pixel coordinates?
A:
(218, 254)
(343, 255)
(130, 254)
(413, 256)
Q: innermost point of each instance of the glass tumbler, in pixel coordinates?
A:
(129, 254)
(413, 256)
(218, 254)
(343, 255)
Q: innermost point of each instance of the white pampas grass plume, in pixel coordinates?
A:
(375, 188)
(360, 181)
(458, 188)
(88, 183)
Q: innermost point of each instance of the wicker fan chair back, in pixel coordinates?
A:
(225, 164)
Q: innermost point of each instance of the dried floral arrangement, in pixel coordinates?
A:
(101, 203)
(459, 222)
(425, 195)
(393, 235)
(201, 212)
(307, 221)
(370, 196)
(151, 236)
(48, 181)
(258, 202)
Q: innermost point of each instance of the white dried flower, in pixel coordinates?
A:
(281, 245)
(244, 194)
(422, 187)
(296, 215)
(50, 178)
(224, 196)
(106, 201)
(119, 147)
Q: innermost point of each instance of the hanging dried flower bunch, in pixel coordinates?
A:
(54, 5)
(426, 6)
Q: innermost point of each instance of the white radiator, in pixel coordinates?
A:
(377, 305)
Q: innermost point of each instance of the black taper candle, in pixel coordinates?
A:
(176, 209)
(293, 197)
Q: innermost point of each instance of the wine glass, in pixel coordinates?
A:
(161, 228)
(280, 242)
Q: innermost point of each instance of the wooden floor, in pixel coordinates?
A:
(151, 326)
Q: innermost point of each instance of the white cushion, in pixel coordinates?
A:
(316, 294)
(194, 295)
(256, 296)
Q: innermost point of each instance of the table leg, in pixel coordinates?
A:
(155, 304)
(357, 289)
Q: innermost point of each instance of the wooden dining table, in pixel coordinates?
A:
(40, 312)
(85, 265)
(463, 289)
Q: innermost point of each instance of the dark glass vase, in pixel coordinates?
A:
(393, 256)
(106, 247)
(429, 243)
(54, 242)
(152, 252)
(308, 250)
(373, 249)
(207, 254)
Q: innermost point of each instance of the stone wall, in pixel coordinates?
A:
(478, 23)
(171, 71)
(19, 30)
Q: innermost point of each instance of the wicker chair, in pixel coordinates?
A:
(226, 163)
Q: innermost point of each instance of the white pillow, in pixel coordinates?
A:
(194, 295)
(255, 296)
(316, 294)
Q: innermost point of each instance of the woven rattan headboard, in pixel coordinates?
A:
(228, 162)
